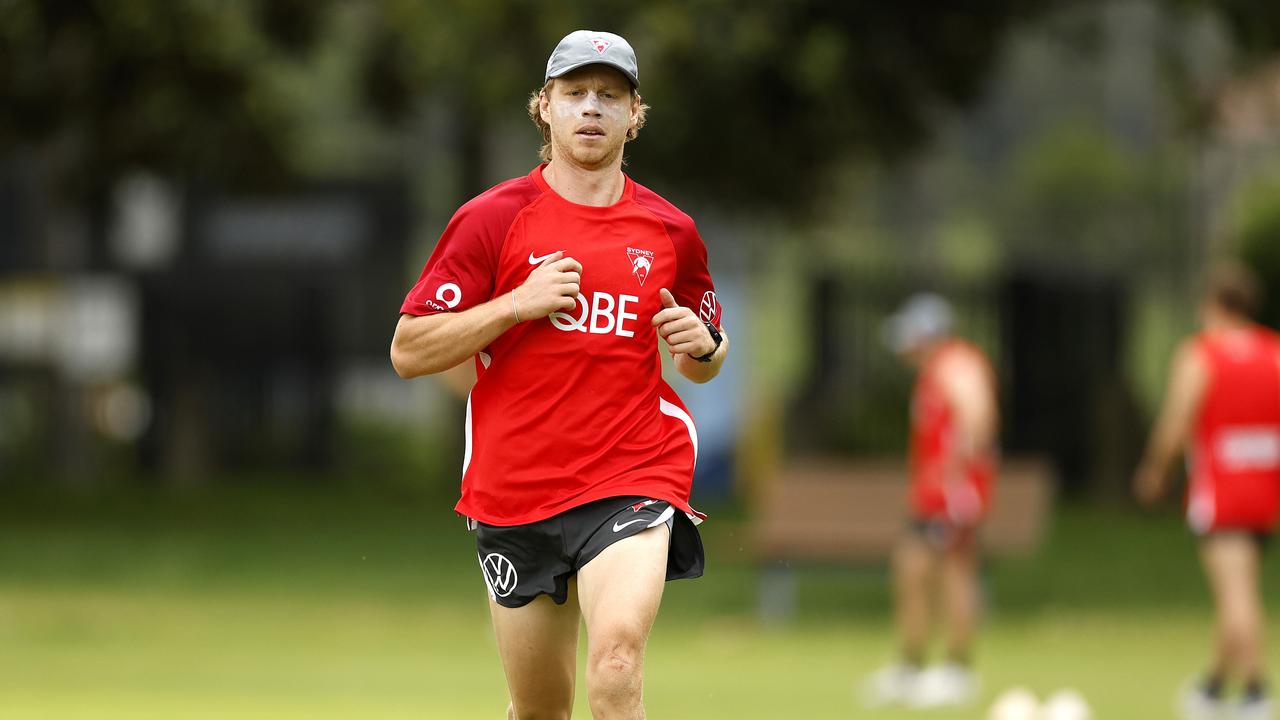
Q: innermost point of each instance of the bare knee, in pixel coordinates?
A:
(619, 656)
(1241, 630)
(912, 559)
(913, 568)
(961, 579)
(615, 669)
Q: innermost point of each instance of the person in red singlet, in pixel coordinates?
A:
(557, 287)
(952, 464)
(1223, 405)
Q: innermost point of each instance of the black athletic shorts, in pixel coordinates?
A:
(941, 534)
(521, 562)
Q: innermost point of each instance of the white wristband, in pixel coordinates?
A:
(513, 306)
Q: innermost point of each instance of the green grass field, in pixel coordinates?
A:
(290, 605)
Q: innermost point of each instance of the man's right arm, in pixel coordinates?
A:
(428, 344)
(1187, 383)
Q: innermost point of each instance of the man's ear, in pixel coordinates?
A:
(544, 106)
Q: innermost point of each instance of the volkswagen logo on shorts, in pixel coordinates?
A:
(500, 573)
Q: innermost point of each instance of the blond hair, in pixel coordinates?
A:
(535, 114)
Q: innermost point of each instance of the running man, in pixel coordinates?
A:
(954, 420)
(579, 457)
(1223, 405)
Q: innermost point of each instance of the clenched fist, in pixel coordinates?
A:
(552, 287)
(681, 328)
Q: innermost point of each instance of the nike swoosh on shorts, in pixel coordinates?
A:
(537, 260)
(617, 527)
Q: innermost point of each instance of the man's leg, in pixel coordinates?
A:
(1231, 563)
(619, 592)
(913, 569)
(538, 644)
(960, 597)
(950, 683)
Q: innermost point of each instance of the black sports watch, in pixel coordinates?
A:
(715, 335)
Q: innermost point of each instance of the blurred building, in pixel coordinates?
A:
(188, 331)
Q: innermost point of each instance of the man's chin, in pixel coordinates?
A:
(594, 158)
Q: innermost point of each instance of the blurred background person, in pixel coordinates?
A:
(1222, 405)
(952, 465)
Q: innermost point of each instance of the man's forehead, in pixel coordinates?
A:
(595, 74)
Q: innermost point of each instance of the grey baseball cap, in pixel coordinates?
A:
(921, 318)
(592, 47)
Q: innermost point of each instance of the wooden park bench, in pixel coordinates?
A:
(843, 513)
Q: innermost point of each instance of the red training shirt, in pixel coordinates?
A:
(571, 408)
(1235, 454)
(941, 486)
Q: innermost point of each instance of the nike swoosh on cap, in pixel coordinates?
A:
(536, 260)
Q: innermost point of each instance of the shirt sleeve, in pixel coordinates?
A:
(693, 286)
(461, 270)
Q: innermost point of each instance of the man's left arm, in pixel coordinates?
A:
(688, 338)
(968, 387)
(970, 393)
(690, 303)
(701, 372)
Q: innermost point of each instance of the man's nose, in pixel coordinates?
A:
(591, 104)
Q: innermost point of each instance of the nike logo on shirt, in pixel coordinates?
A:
(618, 526)
(538, 260)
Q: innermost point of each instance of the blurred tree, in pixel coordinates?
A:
(768, 97)
(1259, 243)
(103, 88)
(1071, 200)
(755, 101)
(1254, 24)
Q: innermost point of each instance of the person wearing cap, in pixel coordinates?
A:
(579, 457)
(1223, 405)
(952, 461)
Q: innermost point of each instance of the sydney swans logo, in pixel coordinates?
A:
(641, 263)
(500, 573)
